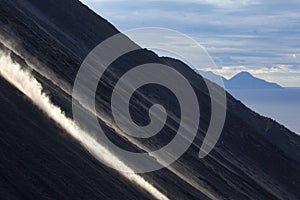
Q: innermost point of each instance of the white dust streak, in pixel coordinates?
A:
(28, 85)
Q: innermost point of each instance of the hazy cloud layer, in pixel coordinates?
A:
(263, 36)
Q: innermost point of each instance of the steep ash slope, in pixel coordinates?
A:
(39, 160)
(255, 157)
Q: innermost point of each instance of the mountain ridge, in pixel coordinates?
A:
(241, 166)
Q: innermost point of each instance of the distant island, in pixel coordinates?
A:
(245, 80)
(242, 80)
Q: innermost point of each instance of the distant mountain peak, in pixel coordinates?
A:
(243, 74)
(245, 80)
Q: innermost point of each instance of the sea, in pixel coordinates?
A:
(282, 105)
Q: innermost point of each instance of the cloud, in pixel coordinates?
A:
(257, 34)
(286, 75)
(214, 2)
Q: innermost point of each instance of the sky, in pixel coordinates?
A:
(259, 36)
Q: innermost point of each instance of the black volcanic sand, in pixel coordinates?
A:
(255, 158)
(39, 160)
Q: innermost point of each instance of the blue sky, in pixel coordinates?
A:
(259, 36)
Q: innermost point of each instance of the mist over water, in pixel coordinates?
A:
(27, 84)
(282, 105)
